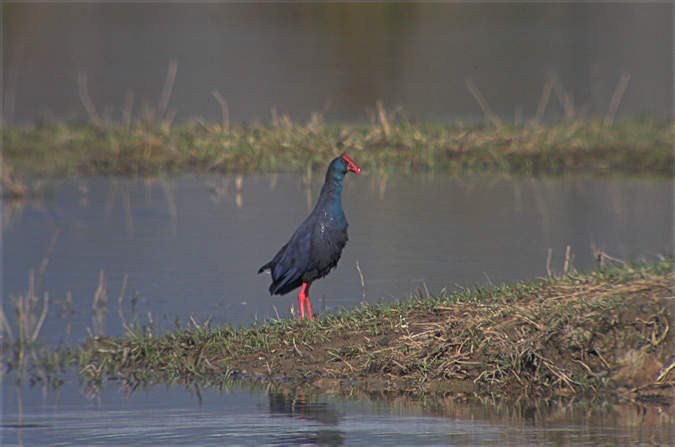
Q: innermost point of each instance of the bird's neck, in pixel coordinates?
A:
(332, 190)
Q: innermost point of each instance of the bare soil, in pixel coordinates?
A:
(622, 354)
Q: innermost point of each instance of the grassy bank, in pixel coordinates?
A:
(631, 146)
(600, 334)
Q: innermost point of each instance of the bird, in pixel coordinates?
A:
(316, 246)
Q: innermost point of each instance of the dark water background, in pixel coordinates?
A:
(335, 59)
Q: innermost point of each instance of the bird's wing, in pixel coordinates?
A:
(292, 261)
(326, 247)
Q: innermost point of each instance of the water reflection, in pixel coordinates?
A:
(307, 408)
(234, 415)
(299, 406)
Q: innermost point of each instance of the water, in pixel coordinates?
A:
(335, 59)
(176, 416)
(190, 247)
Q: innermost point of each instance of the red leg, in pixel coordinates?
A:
(301, 302)
(309, 306)
(303, 299)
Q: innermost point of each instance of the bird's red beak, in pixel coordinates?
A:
(351, 166)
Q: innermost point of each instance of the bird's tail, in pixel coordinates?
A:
(265, 268)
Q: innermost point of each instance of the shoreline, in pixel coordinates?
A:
(603, 335)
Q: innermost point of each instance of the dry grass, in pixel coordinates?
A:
(145, 147)
(598, 334)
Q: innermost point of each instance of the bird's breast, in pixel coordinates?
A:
(331, 223)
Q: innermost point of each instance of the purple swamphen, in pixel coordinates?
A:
(316, 246)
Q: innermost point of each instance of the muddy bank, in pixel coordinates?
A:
(601, 334)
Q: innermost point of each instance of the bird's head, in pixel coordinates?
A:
(351, 166)
(342, 165)
(339, 167)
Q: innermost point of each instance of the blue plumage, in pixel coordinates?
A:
(316, 246)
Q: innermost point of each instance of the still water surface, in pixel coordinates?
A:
(190, 247)
(335, 58)
(174, 416)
